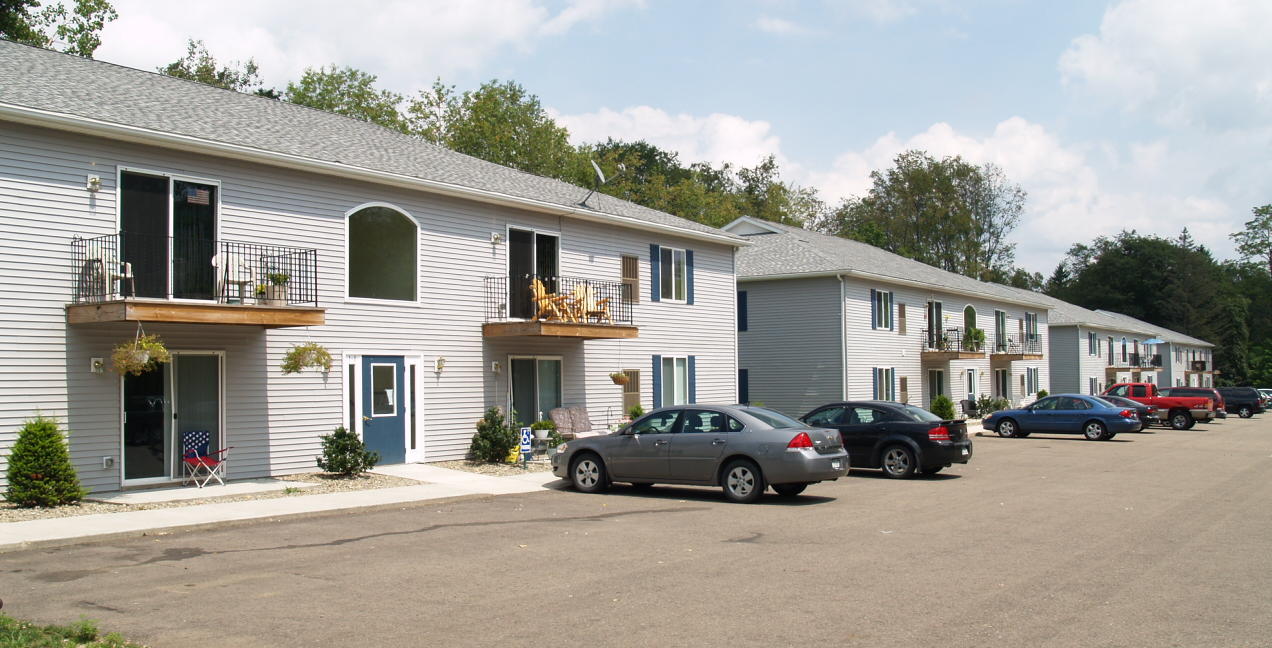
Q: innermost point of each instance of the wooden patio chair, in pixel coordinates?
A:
(589, 307)
(548, 305)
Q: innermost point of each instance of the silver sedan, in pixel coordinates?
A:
(740, 448)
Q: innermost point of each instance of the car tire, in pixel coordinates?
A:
(789, 490)
(1095, 430)
(742, 481)
(933, 470)
(1245, 412)
(898, 462)
(588, 474)
(1181, 420)
(1007, 428)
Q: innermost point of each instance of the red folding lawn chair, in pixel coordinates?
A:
(197, 464)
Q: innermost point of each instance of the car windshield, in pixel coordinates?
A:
(919, 414)
(773, 419)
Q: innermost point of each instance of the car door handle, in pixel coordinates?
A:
(658, 443)
(717, 442)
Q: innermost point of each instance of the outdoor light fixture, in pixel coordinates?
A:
(495, 367)
(496, 238)
(94, 183)
(439, 364)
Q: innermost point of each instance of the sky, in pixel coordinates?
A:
(1152, 115)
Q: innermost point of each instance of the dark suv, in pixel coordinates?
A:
(1242, 401)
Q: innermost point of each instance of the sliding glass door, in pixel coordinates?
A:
(535, 388)
(168, 230)
(164, 405)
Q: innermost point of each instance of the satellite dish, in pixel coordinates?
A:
(599, 174)
(601, 180)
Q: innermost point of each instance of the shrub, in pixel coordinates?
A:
(943, 407)
(986, 405)
(545, 424)
(555, 439)
(494, 438)
(635, 412)
(1042, 393)
(40, 470)
(343, 453)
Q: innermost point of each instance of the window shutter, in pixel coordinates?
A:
(874, 378)
(655, 277)
(874, 315)
(744, 386)
(901, 319)
(905, 389)
(631, 391)
(742, 310)
(688, 276)
(893, 374)
(631, 278)
(693, 379)
(656, 374)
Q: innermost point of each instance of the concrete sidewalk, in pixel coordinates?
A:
(439, 483)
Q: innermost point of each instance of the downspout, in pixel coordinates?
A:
(843, 336)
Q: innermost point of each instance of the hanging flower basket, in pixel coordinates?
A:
(139, 355)
(619, 378)
(309, 354)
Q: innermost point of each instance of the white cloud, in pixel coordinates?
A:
(714, 138)
(407, 44)
(779, 26)
(1180, 62)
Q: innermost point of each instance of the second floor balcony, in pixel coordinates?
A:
(555, 306)
(1008, 349)
(147, 278)
(953, 343)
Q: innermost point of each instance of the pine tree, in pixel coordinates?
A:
(40, 470)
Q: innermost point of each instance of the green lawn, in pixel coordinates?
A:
(20, 634)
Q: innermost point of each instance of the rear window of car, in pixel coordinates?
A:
(773, 419)
(919, 414)
(1108, 401)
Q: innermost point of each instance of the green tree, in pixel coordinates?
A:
(347, 91)
(1255, 241)
(199, 65)
(40, 471)
(497, 122)
(946, 213)
(75, 31)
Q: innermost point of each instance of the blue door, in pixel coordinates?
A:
(383, 407)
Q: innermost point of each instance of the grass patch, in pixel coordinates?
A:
(21, 634)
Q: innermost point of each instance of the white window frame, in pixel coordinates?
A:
(678, 255)
(1093, 345)
(675, 381)
(419, 288)
(1002, 383)
(882, 308)
(414, 361)
(940, 384)
(1031, 327)
(885, 382)
(396, 393)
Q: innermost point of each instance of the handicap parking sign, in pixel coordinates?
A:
(525, 440)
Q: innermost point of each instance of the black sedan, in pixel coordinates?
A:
(903, 440)
(1147, 414)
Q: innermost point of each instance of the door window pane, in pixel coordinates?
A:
(682, 381)
(193, 239)
(383, 390)
(198, 404)
(549, 388)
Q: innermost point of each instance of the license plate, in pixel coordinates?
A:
(835, 464)
(964, 452)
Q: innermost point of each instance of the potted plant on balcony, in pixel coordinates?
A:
(139, 355)
(308, 354)
(275, 292)
(619, 377)
(974, 339)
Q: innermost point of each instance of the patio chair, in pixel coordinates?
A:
(589, 307)
(969, 408)
(549, 305)
(104, 277)
(197, 464)
(232, 268)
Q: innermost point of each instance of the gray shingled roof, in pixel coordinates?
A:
(797, 251)
(70, 85)
(1161, 332)
(1062, 313)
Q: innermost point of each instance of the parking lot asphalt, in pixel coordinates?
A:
(1153, 539)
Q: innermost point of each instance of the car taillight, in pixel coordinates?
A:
(801, 440)
(1127, 414)
(939, 433)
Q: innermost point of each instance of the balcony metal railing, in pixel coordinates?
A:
(951, 339)
(1198, 365)
(1031, 345)
(128, 265)
(568, 299)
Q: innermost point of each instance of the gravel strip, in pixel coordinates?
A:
(497, 470)
(324, 483)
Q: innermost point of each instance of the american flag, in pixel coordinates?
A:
(196, 196)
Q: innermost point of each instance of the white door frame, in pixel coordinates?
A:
(413, 362)
(170, 430)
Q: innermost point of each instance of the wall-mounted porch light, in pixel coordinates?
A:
(439, 364)
(496, 238)
(94, 183)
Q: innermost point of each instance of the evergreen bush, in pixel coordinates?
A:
(343, 453)
(1042, 393)
(494, 438)
(40, 470)
(943, 407)
(986, 405)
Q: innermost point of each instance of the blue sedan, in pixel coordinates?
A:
(1090, 416)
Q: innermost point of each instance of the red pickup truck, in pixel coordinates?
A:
(1180, 412)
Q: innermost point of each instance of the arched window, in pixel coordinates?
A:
(969, 318)
(382, 254)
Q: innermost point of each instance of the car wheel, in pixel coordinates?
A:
(1245, 412)
(898, 462)
(1006, 428)
(587, 473)
(932, 471)
(789, 490)
(742, 481)
(1181, 420)
(1095, 430)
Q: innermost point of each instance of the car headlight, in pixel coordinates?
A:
(562, 447)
